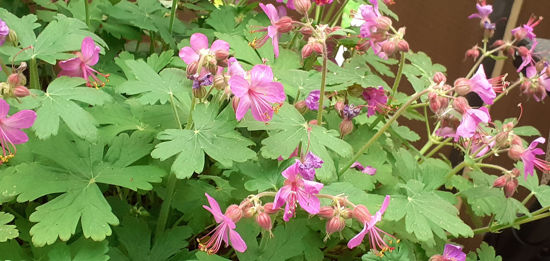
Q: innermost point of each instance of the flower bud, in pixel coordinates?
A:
(355, 90)
(437, 103)
(219, 82)
(460, 104)
(389, 47)
(510, 187)
(345, 213)
(462, 86)
(500, 181)
(515, 173)
(13, 79)
(519, 34)
(389, 2)
(498, 43)
(301, 106)
(307, 50)
(339, 106)
(268, 208)
(515, 152)
(403, 46)
(234, 213)
(306, 31)
(346, 127)
(284, 24)
(361, 213)
(221, 55)
(472, 53)
(510, 51)
(516, 140)
(191, 69)
(302, 6)
(523, 51)
(439, 77)
(199, 92)
(21, 91)
(264, 221)
(326, 212)
(383, 23)
(335, 224)
(12, 37)
(212, 66)
(501, 139)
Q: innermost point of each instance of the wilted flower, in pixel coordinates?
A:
(11, 129)
(312, 100)
(376, 99)
(4, 32)
(536, 85)
(451, 253)
(308, 166)
(362, 214)
(81, 66)
(256, 91)
(278, 25)
(224, 232)
(297, 190)
(526, 55)
(526, 30)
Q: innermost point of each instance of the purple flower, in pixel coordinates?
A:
(11, 133)
(350, 111)
(530, 160)
(312, 100)
(470, 121)
(296, 189)
(481, 85)
(307, 168)
(224, 232)
(367, 170)
(526, 30)
(81, 66)
(451, 253)
(279, 24)
(538, 85)
(376, 99)
(4, 32)
(200, 54)
(483, 11)
(256, 91)
(369, 222)
(526, 56)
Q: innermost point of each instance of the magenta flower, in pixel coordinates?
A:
(4, 32)
(10, 127)
(369, 222)
(296, 189)
(81, 66)
(481, 85)
(483, 11)
(367, 19)
(257, 91)
(471, 118)
(289, 4)
(323, 2)
(526, 56)
(279, 24)
(538, 85)
(376, 99)
(367, 170)
(308, 166)
(527, 29)
(451, 253)
(224, 232)
(312, 100)
(480, 142)
(530, 160)
(200, 54)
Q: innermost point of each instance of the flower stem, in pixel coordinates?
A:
(382, 130)
(527, 198)
(172, 15)
(519, 221)
(336, 17)
(190, 116)
(166, 204)
(455, 170)
(438, 147)
(33, 68)
(175, 109)
(323, 83)
(399, 74)
(87, 12)
(492, 166)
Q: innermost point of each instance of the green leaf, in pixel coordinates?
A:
(288, 129)
(24, 27)
(213, 134)
(353, 72)
(81, 250)
(7, 231)
(60, 102)
(240, 48)
(158, 62)
(74, 168)
(526, 131)
(405, 133)
(485, 253)
(223, 19)
(420, 70)
(264, 175)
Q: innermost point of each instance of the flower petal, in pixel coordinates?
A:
(281, 197)
(188, 55)
(71, 67)
(358, 239)
(15, 136)
(4, 108)
(242, 107)
(309, 202)
(214, 208)
(536, 142)
(273, 92)
(90, 51)
(20, 120)
(199, 41)
(239, 86)
(270, 11)
(219, 45)
(260, 74)
(236, 241)
(261, 109)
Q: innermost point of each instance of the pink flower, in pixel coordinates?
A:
(296, 189)
(451, 253)
(483, 11)
(530, 160)
(224, 232)
(10, 127)
(279, 24)
(323, 2)
(471, 118)
(289, 4)
(526, 56)
(538, 85)
(81, 66)
(480, 142)
(200, 55)
(312, 100)
(4, 32)
(376, 99)
(372, 25)
(367, 170)
(256, 91)
(362, 214)
(526, 30)
(481, 85)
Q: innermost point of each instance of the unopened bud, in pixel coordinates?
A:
(515, 152)
(437, 103)
(383, 23)
(335, 224)
(307, 50)
(510, 187)
(199, 92)
(12, 37)
(284, 24)
(301, 106)
(519, 34)
(212, 66)
(306, 31)
(264, 221)
(389, 47)
(191, 69)
(460, 104)
(515, 172)
(462, 86)
(500, 181)
(339, 106)
(361, 213)
(516, 140)
(21, 91)
(268, 208)
(13, 79)
(221, 55)
(302, 6)
(403, 46)
(439, 77)
(326, 212)
(219, 82)
(234, 213)
(498, 43)
(346, 127)
(472, 53)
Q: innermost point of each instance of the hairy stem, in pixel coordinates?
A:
(175, 109)
(455, 170)
(323, 83)
(87, 12)
(190, 116)
(519, 221)
(399, 74)
(33, 70)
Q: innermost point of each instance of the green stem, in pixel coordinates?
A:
(426, 146)
(166, 204)
(527, 198)
(175, 109)
(87, 12)
(323, 83)
(338, 13)
(172, 15)
(399, 74)
(455, 170)
(485, 54)
(190, 116)
(491, 166)
(6, 70)
(317, 13)
(152, 43)
(438, 147)
(382, 130)
(292, 40)
(519, 221)
(34, 81)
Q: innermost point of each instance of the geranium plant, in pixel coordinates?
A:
(172, 130)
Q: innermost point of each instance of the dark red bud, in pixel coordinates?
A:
(335, 224)
(498, 43)
(301, 106)
(500, 181)
(510, 187)
(460, 104)
(268, 208)
(389, 47)
(472, 53)
(439, 77)
(307, 50)
(326, 212)
(403, 46)
(515, 152)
